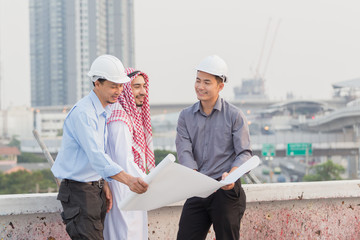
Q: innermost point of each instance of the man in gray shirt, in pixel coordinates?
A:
(213, 138)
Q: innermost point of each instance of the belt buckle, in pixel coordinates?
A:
(100, 183)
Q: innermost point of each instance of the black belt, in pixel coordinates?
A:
(99, 183)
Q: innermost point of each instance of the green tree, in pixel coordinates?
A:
(14, 142)
(30, 158)
(2, 182)
(161, 154)
(17, 182)
(27, 182)
(59, 132)
(325, 172)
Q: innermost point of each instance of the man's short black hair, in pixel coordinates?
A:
(101, 80)
(219, 79)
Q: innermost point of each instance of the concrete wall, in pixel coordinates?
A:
(318, 210)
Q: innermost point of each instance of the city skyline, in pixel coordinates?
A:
(317, 44)
(66, 36)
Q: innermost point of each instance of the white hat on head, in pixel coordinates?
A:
(108, 67)
(214, 65)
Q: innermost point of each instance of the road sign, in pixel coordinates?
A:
(299, 149)
(268, 150)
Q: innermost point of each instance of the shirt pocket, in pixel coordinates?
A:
(223, 137)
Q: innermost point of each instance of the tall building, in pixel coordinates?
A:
(66, 36)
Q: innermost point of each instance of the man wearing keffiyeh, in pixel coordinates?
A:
(130, 145)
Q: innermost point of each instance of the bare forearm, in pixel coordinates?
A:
(123, 177)
(136, 184)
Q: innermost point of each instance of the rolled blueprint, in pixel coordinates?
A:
(171, 182)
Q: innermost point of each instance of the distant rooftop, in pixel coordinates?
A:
(25, 166)
(9, 151)
(352, 83)
(348, 90)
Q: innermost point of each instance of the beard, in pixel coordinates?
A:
(142, 103)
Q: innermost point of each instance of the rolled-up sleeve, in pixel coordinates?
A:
(85, 129)
(183, 144)
(241, 140)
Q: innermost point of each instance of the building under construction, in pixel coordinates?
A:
(254, 87)
(251, 88)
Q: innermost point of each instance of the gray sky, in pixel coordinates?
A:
(317, 44)
(14, 53)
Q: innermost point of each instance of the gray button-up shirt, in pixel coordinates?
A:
(214, 143)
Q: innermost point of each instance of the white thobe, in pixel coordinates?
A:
(123, 225)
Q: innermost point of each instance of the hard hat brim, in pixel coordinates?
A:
(94, 77)
(224, 78)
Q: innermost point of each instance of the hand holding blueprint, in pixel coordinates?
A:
(170, 182)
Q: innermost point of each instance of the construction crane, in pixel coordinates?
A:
(255, 87)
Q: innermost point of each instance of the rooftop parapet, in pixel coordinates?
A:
(311, 210)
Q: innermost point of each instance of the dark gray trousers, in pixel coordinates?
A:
(84, 209)
(223, 209)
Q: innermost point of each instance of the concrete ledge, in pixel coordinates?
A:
(312, 210)
(302, 190)
(17, 204)
(46, 202)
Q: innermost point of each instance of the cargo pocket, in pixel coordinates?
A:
(63, 196)
(98, 225)
(70, 215)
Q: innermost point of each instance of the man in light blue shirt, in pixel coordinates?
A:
(82, 162)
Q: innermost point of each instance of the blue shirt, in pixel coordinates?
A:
(82, 155)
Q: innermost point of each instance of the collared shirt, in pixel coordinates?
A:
(82, 155)
(215, 143)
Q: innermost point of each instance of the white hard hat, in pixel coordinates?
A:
(215, 66)
(108, 67)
